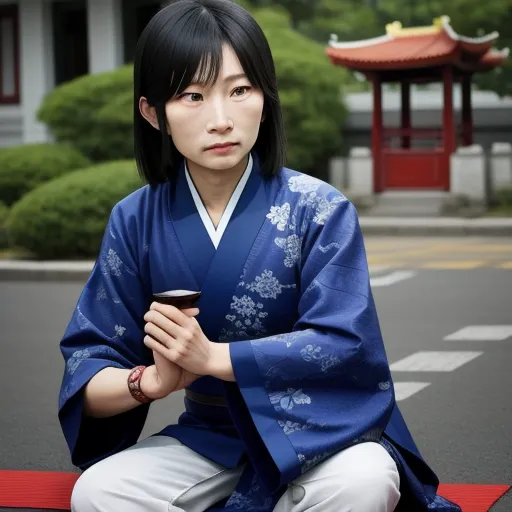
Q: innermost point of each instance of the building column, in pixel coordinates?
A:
(449, 141)
(104, 35)
(406, 113)
(377, 128)
(467, 113)
(36, 65)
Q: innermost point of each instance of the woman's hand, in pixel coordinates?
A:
(178, 337)
(166, 377)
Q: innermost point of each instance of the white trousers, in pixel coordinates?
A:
(160, 474)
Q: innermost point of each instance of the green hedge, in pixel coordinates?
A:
(4, 212)
(503, 200)
(66, 218)
(23, 168)
(78, 112)
(94, 112)
(310, 93)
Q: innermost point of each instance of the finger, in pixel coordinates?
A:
(167, 325)
(159, 335)
(158, 348)
(191, 312)
(170, 312)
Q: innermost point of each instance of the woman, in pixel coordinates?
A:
(289, 398)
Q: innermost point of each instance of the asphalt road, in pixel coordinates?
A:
(461, 420)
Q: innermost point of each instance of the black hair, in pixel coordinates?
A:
(182, 42)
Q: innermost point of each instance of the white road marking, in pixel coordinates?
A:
(377, 269)
(481, 333)
(394, 277)
(404, 390)
(445, 361)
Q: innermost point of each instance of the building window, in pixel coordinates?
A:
(136, 15)
(69, 20)
(9, 55)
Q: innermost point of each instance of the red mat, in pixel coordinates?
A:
(46, 490)
(473, 498)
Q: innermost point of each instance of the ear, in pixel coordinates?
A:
(148, 112)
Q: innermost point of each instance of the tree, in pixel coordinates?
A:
(354, 19)
(470, 18)
(348, 19)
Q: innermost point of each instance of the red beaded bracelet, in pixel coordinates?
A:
(134, 379)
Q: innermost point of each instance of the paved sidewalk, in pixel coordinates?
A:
(14, 270)
(438, 226)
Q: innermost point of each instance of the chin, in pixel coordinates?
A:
(222, 163)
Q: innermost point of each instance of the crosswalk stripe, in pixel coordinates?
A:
(405, 390)
(481, 333)
(433, 361)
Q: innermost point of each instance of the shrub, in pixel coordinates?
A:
(310, 93)
(504, 199)
(23, 168)
(74, 111)
(4, 212)
(310, 90)
(66, 218)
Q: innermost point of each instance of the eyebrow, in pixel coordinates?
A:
(231, 78)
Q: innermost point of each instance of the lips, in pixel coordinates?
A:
(222, 145)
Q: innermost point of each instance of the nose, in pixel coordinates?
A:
(220, 121)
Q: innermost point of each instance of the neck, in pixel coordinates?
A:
(216, 187)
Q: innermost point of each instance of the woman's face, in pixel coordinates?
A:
(229, 114)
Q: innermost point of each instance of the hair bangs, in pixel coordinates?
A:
(199, 61)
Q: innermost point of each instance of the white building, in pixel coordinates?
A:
(46, 42)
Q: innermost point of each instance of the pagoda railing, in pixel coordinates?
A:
(405, 138)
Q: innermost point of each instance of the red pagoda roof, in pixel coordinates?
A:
(421, 47)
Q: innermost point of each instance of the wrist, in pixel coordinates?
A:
(220, 362)
(134, 384)
(149, 384)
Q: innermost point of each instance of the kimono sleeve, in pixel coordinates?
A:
(302, 396)
(106, 330)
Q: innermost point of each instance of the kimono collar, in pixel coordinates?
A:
(215, 234)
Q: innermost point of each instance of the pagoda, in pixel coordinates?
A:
(405, 157)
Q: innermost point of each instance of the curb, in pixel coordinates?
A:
(79, 271)
(54, 271)
(485, 227)
(13, 270)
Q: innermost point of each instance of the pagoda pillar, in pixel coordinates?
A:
(467, 111)
(449, 143)
(377, 128)
(448, 120)
(405, 88)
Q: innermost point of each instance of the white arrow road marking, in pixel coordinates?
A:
(394, 277)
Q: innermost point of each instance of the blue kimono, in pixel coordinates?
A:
(288, 287)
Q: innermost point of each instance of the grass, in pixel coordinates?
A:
(499, 211)
(14, 254)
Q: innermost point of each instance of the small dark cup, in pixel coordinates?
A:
(181, 299)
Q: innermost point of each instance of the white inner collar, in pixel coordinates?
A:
(216, 234)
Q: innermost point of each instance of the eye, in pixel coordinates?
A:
(193, 97)
(240, 91)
